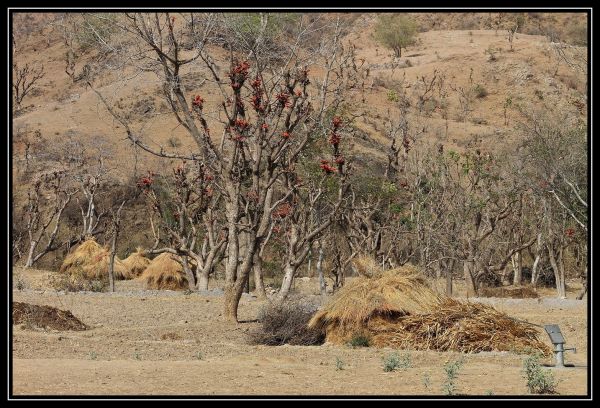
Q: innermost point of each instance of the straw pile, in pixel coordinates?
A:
(524, 292)
(396, 308)
(136, 263)
(92, 261)
(457, 326)
(164, 272)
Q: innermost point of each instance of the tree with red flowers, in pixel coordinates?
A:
(267, 111)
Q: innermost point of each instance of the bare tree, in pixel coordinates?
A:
(47, 200)
(25, 79)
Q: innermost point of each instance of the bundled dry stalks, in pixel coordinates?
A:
(92, 260)
(165, 272)
(136, 263)
(396, 308)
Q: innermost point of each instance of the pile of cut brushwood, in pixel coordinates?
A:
(396, 308)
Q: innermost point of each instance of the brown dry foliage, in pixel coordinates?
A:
(45, 317)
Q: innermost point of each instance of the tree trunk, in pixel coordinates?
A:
(536, 263)
(203, 281)
(188, 273)
(111, 267)
(322, 284)
(29, 262)
(558, 276)
(449, 268)
(517, 268)
(231, 302)
(468, 267)
(259, 284)
(288, 278)
(310, 254)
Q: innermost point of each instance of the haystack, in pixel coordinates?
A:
(165, 272)
(92, 260)
(390, 294)
(136, 263)
(396, 308)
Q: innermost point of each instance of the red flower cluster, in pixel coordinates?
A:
(285, 135)
(326, 167)
(340, 160)
(256, 83)
(284, 99)
(283, 210)
(336, 122)
(198, 102)
(334, 138)
(238, 74)
(298, 93)
(241, 124)
(569, 232)
(256, 99)
(265, 126)
(146, 182)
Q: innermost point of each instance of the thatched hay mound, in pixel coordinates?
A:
(92, 260)
(165, 272)
(45, 317)
(524, 292)
(391, 294)
(136, 263)
(396, 308)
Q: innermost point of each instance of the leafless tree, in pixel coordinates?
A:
(25, 78)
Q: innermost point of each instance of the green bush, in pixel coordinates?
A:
(539, 381)
(394, 361)
(451, 368)
(395, 31)
(359, 341)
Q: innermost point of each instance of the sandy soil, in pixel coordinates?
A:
(169, 343)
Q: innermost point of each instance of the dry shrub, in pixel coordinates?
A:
(165, 272)
(45, 317)
(287, 323)
(136, 263)
(77, 281)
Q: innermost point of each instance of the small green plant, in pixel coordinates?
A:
(539, 94)
(426, 381)
(451, 368)
(489, 392)
(539, 381)
(392, 96)
(359, 341)
(480, 91)
(394, 361)
(98, 286)
(20, 283)
(137, 356)
(93, 355)
(199, 356)
(339, 364)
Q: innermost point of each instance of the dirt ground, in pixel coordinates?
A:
(172, 343)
